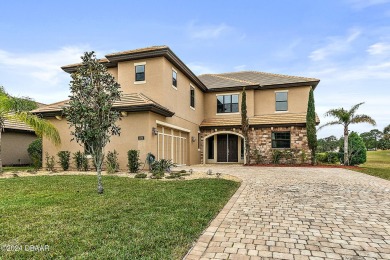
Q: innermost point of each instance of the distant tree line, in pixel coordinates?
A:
(373, 140)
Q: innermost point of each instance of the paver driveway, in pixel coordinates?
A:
(299, 213)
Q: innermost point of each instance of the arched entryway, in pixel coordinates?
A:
(224, 147)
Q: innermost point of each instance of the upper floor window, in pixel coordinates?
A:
(281, 103)
(140, 73)
(281, 139)
(174, 78)
(192, 97)
(227, 103)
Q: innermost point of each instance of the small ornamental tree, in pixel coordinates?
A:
(245, 126)
(311, 126)
(357, 152)
(90, 113)
(345, 118)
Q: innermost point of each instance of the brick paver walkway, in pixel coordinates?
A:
(299, 213)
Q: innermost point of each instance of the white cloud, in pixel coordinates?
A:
(208, 31)
(336, 45)
(361, 4)
(239, 67)
(379, 48)
(200, 68)
(38, 75)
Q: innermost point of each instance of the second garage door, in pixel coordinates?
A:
(172, 145)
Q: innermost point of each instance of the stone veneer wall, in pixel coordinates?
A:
(260, 139)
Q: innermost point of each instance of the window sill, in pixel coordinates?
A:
(193, 108)
(281, 111)
(222, 114)
(139, 82)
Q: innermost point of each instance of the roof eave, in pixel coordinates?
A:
(294, 84)
(73, 68)
(163, 52)
(150, 107)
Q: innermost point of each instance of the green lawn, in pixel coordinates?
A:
(133, 219)
(378, 164)
(17, 168)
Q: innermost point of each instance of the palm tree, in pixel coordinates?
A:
(16, 109)
(345, 118)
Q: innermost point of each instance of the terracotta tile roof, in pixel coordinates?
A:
(271, 119)
(146, 49)
(250, 78)
(16, 125)
(127, 100)
(103, 60)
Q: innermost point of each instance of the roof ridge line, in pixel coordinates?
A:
(281, 75)
(234, 79)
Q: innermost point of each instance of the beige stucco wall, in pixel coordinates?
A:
(14, 147)
(132, 126)
(260, 102)
(297, 100)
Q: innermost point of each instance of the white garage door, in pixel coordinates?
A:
(172, 145)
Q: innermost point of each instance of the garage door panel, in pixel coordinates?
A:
(172, 145)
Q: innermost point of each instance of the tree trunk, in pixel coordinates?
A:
(247, 150)
(98, 163)
(313, 157)
(346, 161)
(1, 162)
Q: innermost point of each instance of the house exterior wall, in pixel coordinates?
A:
(260, 139)
(264, 100)
(14, 147)
(158, 87)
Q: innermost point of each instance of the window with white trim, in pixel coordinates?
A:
(140, 72)
(192, 97)
(174, 78)
(281, 103)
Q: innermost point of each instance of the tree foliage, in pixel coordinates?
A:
(357, 152)
(35, 152)
(328, 144)
(90, 113)
(245, 126)
(371, 139)
(17, 109)
(345, 118)
(311, 126)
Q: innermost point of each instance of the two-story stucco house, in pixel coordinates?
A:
(169, 111)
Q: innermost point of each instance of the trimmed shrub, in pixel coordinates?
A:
(276, 155)
(140, 175)
(133, 161)
(112, 163)
(35, 152)
(81, 162)
(64, 157)
(328, 157)
(50, 162)
(162, 166)
(256, 155)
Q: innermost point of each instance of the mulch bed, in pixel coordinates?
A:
(305, 165)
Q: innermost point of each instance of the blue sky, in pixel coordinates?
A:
(344, 43)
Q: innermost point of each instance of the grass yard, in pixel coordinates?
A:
(378, 164)
(133, 219)
(17, 168)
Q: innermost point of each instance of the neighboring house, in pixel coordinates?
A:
(169, 111)
(15, 139)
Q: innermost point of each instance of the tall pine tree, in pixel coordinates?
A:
(311, 126)
(245, 126)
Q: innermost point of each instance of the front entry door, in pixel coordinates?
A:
(227, 148)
